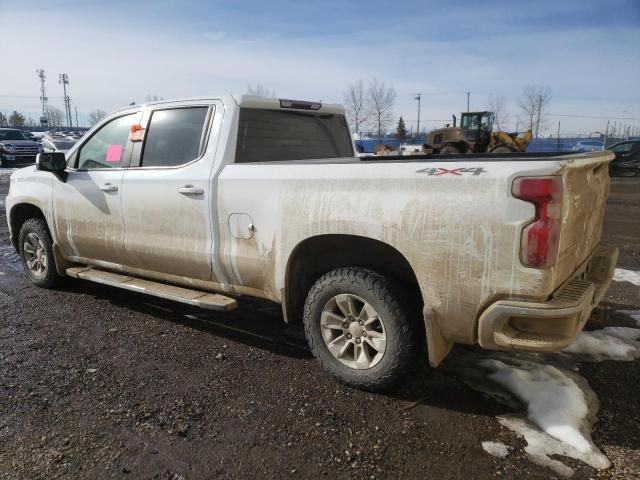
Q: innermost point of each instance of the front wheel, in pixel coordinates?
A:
(358, 328)
(36, 251)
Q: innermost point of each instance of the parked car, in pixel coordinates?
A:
(16, 148)
(57, 144)
(627, 161)
(201, 199)
(588, 146)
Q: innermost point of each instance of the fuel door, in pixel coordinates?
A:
(241, 226)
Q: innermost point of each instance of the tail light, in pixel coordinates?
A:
(541, 238)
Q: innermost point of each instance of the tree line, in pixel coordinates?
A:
(55, 118)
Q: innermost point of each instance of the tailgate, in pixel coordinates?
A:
(585, 190)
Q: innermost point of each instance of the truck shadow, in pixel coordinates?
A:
(259, 324)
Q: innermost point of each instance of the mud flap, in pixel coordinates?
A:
(438, 347)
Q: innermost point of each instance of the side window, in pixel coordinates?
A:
(105, 149)
(622, 148)
(173, 137)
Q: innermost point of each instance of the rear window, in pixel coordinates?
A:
(274, 135)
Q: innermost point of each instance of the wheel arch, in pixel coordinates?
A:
(317, 255)
(20, 213)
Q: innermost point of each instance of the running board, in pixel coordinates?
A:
(210, 301)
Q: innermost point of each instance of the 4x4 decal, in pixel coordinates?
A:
(437, 171)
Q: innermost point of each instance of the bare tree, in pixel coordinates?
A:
(16, 119)
(54, 117)
(380, 100)
(356, 106)
(153, 98)
(533, 103)
(30, 122)
(96, 115)
(498, 105)
(260, 90)
(3, 119)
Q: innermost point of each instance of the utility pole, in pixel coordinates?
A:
(558, 144)
(43, 95)
(468, 95)
(77, 125)
(418, 97)
(64, 80)
(606, 134)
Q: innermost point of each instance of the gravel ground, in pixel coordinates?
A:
(97, 382)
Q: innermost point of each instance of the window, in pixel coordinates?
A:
(105, 149)
(173, 137)
(478, 121)
(622, 147)
(12, 135)
(270, 135)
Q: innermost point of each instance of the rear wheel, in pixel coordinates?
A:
(358, 328)
(36, 251)
(503, 149)
(449, 150)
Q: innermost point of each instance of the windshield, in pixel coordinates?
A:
(12, 135)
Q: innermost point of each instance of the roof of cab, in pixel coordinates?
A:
(244, 101)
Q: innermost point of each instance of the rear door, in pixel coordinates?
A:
(88, 214)
(166, 194)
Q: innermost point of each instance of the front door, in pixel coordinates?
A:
(88, 213)
(166, 194)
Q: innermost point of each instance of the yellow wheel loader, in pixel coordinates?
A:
(475, 135)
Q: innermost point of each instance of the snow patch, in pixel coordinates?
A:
(622, 275)
(496, 449)
(634, 314)
(559, 402)
(611, 343)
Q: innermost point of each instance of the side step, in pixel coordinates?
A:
(210, 301)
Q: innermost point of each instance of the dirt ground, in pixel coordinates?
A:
(97, 382)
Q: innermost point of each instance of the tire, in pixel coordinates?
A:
(34, 242)
(449, 150)
(370, 294)
(503, 149)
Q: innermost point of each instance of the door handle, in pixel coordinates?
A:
(107, 187)
(191, 190)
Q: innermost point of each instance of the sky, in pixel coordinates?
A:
(585, 52)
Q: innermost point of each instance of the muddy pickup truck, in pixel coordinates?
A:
(205, 200)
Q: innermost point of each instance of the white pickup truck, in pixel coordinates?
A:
(205, 200)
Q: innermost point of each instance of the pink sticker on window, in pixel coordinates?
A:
(114, 153)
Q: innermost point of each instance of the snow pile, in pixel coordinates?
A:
(622, 275)
(562, 409)
(611, 343)
(496, 449)
(634, 314)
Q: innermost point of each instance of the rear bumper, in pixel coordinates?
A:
(554, 324)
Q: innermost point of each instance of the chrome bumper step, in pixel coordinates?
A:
(210, 301)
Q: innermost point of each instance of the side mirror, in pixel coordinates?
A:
(51, 162)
